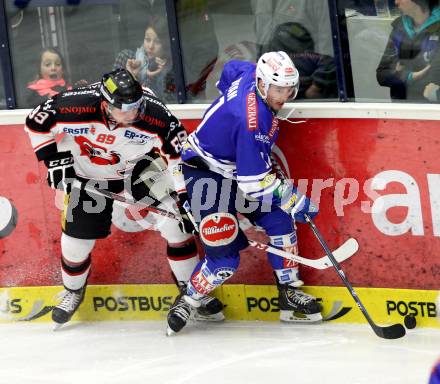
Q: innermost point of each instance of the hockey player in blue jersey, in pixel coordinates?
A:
(435, 374)
(227, 169)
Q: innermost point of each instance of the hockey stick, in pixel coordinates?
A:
(129, 202)
(394, 331)
(390, 332)
(345, 251)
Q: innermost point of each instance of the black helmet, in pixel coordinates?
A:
(121, 89)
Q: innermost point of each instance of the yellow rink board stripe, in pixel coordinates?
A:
(243, 302)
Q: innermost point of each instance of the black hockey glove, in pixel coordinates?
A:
(137, 188)
(186, 224)
(60, 171)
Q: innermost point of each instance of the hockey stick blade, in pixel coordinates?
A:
(394, 331)
(345, 251)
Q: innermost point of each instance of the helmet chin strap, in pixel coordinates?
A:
(286, 118)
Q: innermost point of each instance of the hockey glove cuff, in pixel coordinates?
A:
(295, 203)
(187, 224)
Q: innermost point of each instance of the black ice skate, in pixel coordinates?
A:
(297, 306)
(180, 313)
(211, 308)
(64, 311)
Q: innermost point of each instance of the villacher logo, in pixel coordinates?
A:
(214, 230)
(219, 229)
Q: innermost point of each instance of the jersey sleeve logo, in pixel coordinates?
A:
(153, 121)
(98, 155)
(78, 110)
(252, 111)
(274, 128)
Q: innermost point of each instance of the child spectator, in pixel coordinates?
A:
(50, 78)
(150, 63)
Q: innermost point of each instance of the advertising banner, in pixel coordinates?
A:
(242, 302)
(375, 180)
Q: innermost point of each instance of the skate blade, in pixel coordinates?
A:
(214, 318)
(57, 326)
(295, 317)
(170, 332)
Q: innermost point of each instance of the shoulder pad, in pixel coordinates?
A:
(154, 104)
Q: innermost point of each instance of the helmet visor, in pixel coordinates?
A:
(282, 94)
(289, 92)
(125, 115)
(131, 106)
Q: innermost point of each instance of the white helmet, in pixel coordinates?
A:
(277, 68)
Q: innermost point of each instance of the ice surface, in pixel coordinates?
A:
(227, 353)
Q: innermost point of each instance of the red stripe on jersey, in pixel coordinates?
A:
(79, 273)
(182, 243)
(38, 147)
(82, 122)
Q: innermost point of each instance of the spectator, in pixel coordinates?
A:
(199, 45)
(406, 66)
(135, 15)
(50, 78)
(317, 71)
(313, 15)
(432, 89)
(150, 63)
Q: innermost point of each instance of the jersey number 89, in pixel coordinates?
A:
(38, 117)
(178, 141)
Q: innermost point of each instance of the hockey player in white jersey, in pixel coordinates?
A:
(112, 132)
(226, 161)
